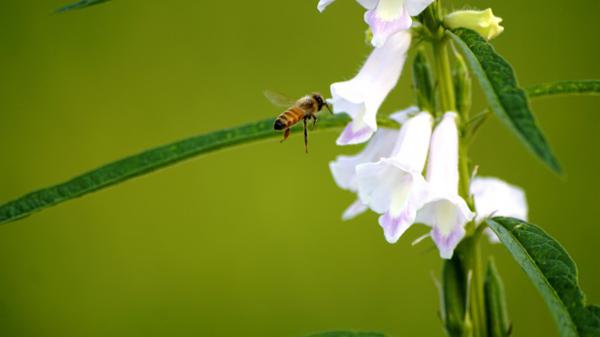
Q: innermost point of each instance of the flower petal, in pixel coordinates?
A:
(394, 184)
(403, 116)
(344, 167)
(496, 197)
(442, 168)
(415, 7)
(389, 186)
(447, 243)
(350, 136)
(355, 209)
(387, 20)
(368, 4)
(445, 211)
(447, 216)
(493, 197)
(394, 227)
(323, 4)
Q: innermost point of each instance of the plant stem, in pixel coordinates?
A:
(477, 301)
(444, 74)
(470, 251)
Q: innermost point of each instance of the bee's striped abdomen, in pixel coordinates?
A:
(289, 118)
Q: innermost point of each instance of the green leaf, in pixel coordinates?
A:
(152, 160)
(348, 334)
(505, 97)
(80, 5)
(584, 87)
(552, 272)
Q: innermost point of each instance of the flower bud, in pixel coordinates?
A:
(422, 82)
(495, 303)
(483, 22)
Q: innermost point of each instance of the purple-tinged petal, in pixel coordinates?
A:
(394, 227)
(350, 136)
(355, 209)
(446, 243)
(383, 27)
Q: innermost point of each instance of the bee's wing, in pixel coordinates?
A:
(278, 99)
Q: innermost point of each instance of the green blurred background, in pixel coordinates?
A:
(217, 246)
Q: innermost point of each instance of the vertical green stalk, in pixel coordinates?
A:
(469, 251)
(444, 73)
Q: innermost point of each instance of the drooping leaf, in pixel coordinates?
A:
(506, 99)
(151, 160)
(552, 272)
(80, 5)
(348, 334)
(583, 87)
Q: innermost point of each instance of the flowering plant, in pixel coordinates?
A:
(414, 168)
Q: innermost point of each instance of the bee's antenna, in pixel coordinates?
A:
(328, 108)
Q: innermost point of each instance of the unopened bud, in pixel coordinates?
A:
(483, 22)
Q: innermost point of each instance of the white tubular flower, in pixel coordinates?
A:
(387, 17)
(494, 197)
(445, 211)
(394, 186)
(362, 96)
(344, 167)
(483, 22)
(381, 145)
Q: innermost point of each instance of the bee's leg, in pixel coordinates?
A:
(305, 136)
(314, 126)
(286, 134)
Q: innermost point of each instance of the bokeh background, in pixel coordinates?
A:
(218, 246)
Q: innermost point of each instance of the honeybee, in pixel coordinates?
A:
(304, 109)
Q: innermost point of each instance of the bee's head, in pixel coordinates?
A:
(320, 101)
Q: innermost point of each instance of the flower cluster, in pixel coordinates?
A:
(390, 175)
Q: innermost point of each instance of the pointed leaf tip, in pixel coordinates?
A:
(80, 5)
(506, 99)
(552, 272)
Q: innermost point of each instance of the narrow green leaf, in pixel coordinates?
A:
(80, 5)
(552, 272)
(348, 334)
(152, 160)
(505, 97)
(583, 87)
